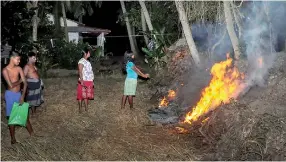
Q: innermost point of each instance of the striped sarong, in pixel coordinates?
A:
(35, 92)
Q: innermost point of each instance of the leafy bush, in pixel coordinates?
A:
(154, 55)
(67, 54)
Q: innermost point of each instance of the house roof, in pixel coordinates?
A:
(86, 29)
(82, 28)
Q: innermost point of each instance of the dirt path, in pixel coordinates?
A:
(105, 133)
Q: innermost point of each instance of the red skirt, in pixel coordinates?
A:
(86, 91)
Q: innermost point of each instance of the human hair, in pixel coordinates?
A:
(85, 51)
(31, 54)
(127, 58)
(14, 54)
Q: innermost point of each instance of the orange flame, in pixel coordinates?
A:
(223, 86)
(165, 101)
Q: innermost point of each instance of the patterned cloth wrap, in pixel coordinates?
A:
(35, 92)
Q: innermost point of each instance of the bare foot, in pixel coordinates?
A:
(13, 141)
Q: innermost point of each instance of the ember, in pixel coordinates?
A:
(165, 101)
(181, 130)
(224, 85)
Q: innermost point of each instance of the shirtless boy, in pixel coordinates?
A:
(13, 94)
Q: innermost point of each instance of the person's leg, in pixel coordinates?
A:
(79, 105)
(123, 101)
(79, 97)
(12, 134)
(10, 98)
(86, 104)
(29, 126)
(130, 101)
(33, 110)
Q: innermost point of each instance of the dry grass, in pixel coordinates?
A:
(104, 133)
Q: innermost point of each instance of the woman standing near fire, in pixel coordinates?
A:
(131, 79)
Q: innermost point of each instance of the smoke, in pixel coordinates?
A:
(260, 37)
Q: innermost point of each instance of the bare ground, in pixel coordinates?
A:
(104, 133)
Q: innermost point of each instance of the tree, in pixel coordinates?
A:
(230, 29)
(35, 20)
(80, 8)
(65, 20)
(59, 10)
(144, 29)
(128, 26)
(146, 14)
(187, 32)
(15, 27)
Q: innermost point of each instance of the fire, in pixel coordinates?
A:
(224, 85)
(165, 101)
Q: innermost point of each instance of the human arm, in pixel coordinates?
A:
(80, 68)
(8, 81)
(139, 72)
(26, 70)
(23, 78)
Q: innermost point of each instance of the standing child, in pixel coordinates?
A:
(131, 79)
(13, 94)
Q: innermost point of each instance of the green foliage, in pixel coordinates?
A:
(163, 15)
(16, 27)
(154, 56)
(67, 54)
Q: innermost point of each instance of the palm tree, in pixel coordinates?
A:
(61, 6)
(146, 14)
(128, 26)
(35, 20)
(65, 4)
(187, 32)
(80, 8)
(230, 29)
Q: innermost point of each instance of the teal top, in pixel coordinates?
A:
(130, 72)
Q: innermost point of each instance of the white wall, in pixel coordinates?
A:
(72, 35)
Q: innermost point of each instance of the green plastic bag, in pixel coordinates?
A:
(19, 114)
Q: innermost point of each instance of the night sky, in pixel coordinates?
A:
(106, 17)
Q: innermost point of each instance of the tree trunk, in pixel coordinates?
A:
(146, 14)
(187, 32)
(230, 29)
(80, 19)
(134, 38)
(65, 21)
(236, 19)
(144, 27)
(128, 26)
(35, 21)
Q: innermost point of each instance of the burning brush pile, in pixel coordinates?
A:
(224, 122)
(226, 84)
